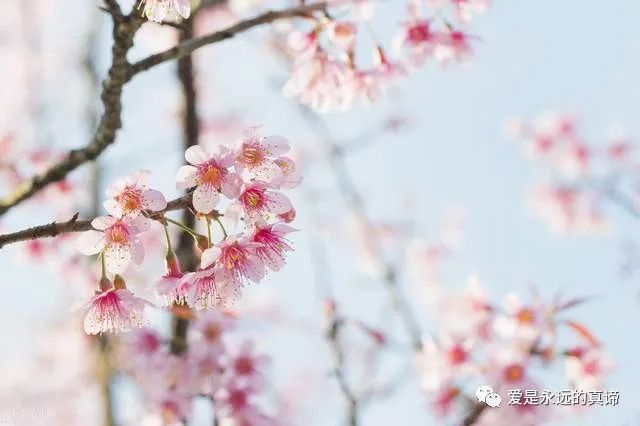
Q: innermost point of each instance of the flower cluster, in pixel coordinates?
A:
(328, 73)
(581, 175)
(505, 346)
(214, 365)
(244, 181)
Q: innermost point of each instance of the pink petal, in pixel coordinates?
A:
(154, 200)
(276, 145)
(137, 252)
(231, 185)
(195, 155)
(205, 198)
(255, 269)
(186, 177)
(137, 224)
(283, 229)
(278, 203)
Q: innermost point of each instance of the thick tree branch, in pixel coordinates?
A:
(74, 225)
(189, 46)
(119, 74)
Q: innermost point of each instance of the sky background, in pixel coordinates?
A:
(581, 56)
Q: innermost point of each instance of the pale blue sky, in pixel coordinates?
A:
(534, 56)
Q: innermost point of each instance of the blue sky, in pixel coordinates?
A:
(583, 56)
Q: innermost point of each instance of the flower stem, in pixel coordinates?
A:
(185, 228)
(224, 231)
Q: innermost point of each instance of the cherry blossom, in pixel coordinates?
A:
(210, 176)
(113, 309)
(258, 200)
(130, 197)
(261, 156)
(117, 240)
(237, 259)
(273, 244)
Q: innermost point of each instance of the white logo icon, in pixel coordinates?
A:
(488, 396)
(493, 400)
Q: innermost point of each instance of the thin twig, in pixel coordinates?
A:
(74, 225)
(187, 47)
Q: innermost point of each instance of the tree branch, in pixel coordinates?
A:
(119, 74)
(123, 34)
(74, 225)
(189, 46)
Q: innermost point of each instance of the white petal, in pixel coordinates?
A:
(209, 256)
(183, 7)
(186, 177)
(205, 198)
(90, 242)
(117, 257)
(112, 207)
(103, 222)
(195, 155)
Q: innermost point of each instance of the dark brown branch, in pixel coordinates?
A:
(190, 137)
(74, 225)
(187, 47)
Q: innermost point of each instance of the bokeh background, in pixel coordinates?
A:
(453, 155)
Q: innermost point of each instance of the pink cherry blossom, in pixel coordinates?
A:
(247, 366)
(204, 288)
(172, 285)
(258, 155)
(237, 259)
(273, 244)
(113, 310)
(158, 10)
(257, 200)
(210, 176)
(321, 82)
(209, 328)
(290, 177)
(117, 240)
(130, 197)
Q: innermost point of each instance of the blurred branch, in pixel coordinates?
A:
(74, 225)
(190, 137)
(354, 200)
(333, 331)
(189, 46)
(120, 72)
